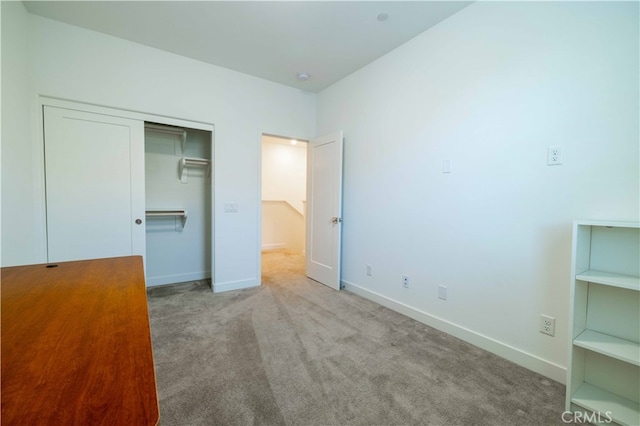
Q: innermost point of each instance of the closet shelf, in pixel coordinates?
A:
(186, 162)
(611, 346)
(168, 212)
(622, 411)
(177, 131)
(608, 278)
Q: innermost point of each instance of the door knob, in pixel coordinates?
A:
(336, 220)
(138, 221)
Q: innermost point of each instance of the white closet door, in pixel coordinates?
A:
(94, 170)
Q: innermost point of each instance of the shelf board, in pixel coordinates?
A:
(172, 130)
(621, 349)
(598, 400)
(608, 224)
(608, 278)
(184, 162)
(168, 212)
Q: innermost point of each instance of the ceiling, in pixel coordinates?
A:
(274, 40)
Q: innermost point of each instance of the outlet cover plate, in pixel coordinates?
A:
(547, 325)
(554, 155)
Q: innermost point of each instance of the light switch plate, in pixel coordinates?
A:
(442, 292)
(230, 207)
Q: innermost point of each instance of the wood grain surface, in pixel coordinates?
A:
(76, 345)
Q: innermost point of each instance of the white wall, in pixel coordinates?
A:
(283, 227)
(284, 172)
(72, 63)
(489, 89)
(20, 228)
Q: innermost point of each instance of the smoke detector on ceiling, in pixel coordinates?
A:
(303, 76)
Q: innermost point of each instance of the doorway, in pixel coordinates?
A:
(284, 194)
(178, 198)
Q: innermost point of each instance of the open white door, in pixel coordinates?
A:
(324, 209)
(94, 171)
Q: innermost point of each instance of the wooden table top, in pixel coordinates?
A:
(76, 345)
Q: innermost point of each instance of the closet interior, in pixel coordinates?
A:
(178, 204)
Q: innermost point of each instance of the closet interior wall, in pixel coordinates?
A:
(178, 170)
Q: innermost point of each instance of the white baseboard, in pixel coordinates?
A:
(235, 285)
(178, 278)
(274, 246)
(532, 362)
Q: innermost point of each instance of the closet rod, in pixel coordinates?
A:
(196, 161)
(184, 162)
(168, 212)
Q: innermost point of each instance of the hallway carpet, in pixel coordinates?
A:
(294, 352)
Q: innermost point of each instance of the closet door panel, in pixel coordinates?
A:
(94, 185)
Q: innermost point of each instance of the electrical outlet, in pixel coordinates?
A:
(554, 155)
(405, 281)
(547, 325)
(369, 270)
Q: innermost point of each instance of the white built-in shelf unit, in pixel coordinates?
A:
(603, 372)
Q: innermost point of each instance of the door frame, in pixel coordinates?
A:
(40, 191)
(259, 222)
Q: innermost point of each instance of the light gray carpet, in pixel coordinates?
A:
(294, 352)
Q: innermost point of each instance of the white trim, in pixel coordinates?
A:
(234, 285)
(178, 278)
(275, 246)
(608, 223)
(532, 362)
(259, 212)
(125, 113)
